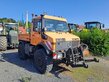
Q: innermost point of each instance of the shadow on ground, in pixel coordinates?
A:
(12, 57)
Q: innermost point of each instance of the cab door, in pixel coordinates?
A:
(36, 33)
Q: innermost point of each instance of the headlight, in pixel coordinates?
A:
(60, 39)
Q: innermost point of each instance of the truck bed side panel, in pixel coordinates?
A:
(24, 37)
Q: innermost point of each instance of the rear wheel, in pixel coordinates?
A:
(21, 51)
(3, 43)
(42, 62)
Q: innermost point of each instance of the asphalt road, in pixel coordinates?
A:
(12, 69)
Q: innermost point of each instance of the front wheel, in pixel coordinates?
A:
(21, 51)
(42, 62)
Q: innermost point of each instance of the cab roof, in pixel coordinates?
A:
(51, 17)
(92, 22)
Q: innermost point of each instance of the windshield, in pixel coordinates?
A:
(93, 25)
(73, 27)
(55, 25)
(11, 26)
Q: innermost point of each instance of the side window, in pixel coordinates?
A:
(36, 25)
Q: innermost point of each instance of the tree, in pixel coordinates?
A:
(7, 20)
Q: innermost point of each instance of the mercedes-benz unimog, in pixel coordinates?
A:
(49, 41)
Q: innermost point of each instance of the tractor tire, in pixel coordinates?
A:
(21, 51)
(3, 43)
(42, 62)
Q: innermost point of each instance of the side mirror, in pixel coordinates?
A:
(39, 30)
(44, 36)
(43, 29)
(70, 31)
(103, 26)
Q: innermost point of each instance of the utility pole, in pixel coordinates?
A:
(27, 28)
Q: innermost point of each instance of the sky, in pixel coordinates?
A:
(75, 11)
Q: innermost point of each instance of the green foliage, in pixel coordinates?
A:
(7, 20)
(10, 20)
(84, 35)
(21, 23)
(97, 40)
(24, 24)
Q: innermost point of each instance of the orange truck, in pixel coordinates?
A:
(49, 42)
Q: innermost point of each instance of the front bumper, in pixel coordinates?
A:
(70, 52)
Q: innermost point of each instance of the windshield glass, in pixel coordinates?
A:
(97, 25)
(11, 26)
(73, 27)
(55, 25)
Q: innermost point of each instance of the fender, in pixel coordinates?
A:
(42, 45)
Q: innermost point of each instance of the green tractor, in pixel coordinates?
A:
(3, 39)
(75, 27)
(8, 35)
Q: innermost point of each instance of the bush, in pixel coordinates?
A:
(97, 40)
(84, 35)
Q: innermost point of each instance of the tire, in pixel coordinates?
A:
(42, 62)
(3, 43)
(21, 51)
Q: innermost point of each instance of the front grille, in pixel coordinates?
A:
(63, 45)
(75, 44)
(67, 44)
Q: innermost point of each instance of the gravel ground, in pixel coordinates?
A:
(106, 58)
(12, 69)
(97, 72)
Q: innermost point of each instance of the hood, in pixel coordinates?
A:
(57, 35)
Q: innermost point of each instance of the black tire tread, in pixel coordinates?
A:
(21, 51)
(45, 59)
(3, 43)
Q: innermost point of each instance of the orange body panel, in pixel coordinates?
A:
(24, 37)
(35, 38)
(22, 30)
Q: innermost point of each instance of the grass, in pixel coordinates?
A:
(95, 73)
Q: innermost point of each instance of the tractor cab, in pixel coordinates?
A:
(1, 28)
(72, 27)
(75, 27)
(12, 34)
(10, 26)
(94, 24)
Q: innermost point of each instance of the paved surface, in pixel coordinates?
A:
(12, 69)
